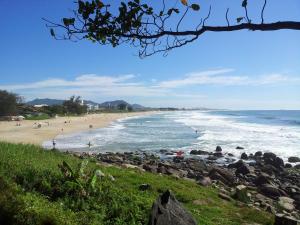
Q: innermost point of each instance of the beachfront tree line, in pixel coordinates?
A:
(8, 103)
(12, 104)
(158, 27)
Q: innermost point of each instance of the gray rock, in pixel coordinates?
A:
(205, 181)
(198, 152)
(239, 147)
(281, 219)
(243, 169)
(166, 210)
(224, 196)
(286, 204)
(258, 154)
(270, 191)
(293, 159)
(218, 149)
(223, 175)
(244, 156)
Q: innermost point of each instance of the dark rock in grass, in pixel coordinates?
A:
(218, 149)
(281, 219)
(144, 187)
(204, 181)
(293, 159)
(244, 156)
(150, 168)
(270, 191)
(258, 154)
(224, 196)
(198, 152)
(166, 210)
(239, 147)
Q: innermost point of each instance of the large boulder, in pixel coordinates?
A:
(272, 159)
(243, 169)
(286, 203)
(218, 149)
(244, 156)
(198, 152)
(223, 175)
(270, 191)
(258, 154)
(262, 179)
(166, 210)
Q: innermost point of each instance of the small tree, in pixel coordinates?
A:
(74, 106)
(8, 103)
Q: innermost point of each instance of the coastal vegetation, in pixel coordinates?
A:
(8, 103)
(39, 186)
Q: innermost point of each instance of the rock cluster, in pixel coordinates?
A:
(260, 180)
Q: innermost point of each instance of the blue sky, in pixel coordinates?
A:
(238, 70)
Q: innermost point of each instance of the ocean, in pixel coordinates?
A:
(277, 131)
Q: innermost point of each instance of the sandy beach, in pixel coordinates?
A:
(28, 132)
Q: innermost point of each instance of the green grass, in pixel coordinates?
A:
(39, 117)
(33, 190)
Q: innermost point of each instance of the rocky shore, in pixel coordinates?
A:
(260, 180)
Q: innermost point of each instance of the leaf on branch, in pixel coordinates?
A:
(244, 4)
(239, 19)
(52, 32)
(184, 2)
(68, 21)
(195, 7)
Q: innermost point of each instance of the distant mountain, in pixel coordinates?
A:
(108, 105)
(138, 107)
(47, 101)
(90, 102)
(113, 104)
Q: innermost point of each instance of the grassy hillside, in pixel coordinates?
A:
(35, 190)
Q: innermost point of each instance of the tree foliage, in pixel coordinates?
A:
(8, 103)
(152, 29)
(74, 106)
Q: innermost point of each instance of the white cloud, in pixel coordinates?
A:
(217, 77)
(95, 87)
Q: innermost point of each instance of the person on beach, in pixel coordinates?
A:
(53, 143)
(89, 144)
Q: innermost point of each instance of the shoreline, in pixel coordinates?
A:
(29, 133)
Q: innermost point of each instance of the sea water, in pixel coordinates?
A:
(277, 131)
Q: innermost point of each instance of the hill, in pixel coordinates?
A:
(46, 101)
(108, 104)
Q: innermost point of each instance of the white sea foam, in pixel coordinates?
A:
(177, 130)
